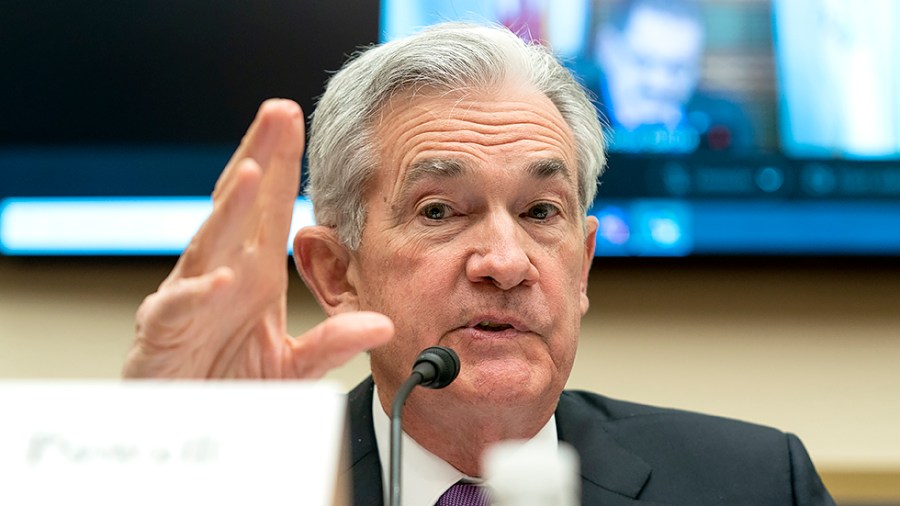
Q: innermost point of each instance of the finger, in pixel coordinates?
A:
(225, 229)
(269, 176)
(278, 155)
(260, 140)
(336, 340)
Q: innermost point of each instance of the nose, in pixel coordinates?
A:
(500, 254)
(658, 81)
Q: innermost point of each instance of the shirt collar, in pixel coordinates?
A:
(425, 475)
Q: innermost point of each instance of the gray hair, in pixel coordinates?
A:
(343, 148)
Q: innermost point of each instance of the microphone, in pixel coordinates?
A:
(438, 367)
(435, 367)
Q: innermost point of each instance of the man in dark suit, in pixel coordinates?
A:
(450, 173)
(633, 454)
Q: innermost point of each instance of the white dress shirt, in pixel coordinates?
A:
(425, 475)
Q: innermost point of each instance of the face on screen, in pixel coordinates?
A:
(651, 67)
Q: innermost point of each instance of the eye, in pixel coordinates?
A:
(436, 211)
(542, 211)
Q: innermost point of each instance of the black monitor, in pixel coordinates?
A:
(734, 128)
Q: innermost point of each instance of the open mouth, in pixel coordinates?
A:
(493, 327)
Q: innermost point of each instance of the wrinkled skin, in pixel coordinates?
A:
(474, 239)
(221, 312)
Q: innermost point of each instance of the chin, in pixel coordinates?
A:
(505, 383)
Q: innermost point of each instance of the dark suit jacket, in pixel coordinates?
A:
(640, 455)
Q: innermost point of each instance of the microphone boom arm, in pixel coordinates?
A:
(435, 367)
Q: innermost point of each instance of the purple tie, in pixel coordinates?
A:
(463, 494)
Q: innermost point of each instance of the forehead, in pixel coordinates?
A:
(512, 126)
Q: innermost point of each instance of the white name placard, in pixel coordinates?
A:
(169, 443)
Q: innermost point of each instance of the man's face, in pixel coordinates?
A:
(474, 240)
(652, 67)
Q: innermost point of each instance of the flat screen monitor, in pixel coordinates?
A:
(733, 128)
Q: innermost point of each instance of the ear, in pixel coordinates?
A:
(323, 262)
(590, 243)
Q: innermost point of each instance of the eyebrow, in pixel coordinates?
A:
(445, 168)
(548, 168)
(448, 168)
(428, 168)
(442, 168)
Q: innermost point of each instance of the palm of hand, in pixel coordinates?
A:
(221, 313)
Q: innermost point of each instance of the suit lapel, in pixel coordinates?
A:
(365, 466)
(611, 475)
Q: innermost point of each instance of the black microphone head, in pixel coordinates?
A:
(438, 366)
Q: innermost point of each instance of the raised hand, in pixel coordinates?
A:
(221, 312)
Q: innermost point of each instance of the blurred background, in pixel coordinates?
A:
(750, 214)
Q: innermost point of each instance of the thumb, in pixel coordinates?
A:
(336, 340)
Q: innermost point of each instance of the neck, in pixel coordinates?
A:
(459, 434)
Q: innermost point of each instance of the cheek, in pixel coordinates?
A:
(417, 303)
(561, 270)
(562, 352)
(416, 292)
(412, 274)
